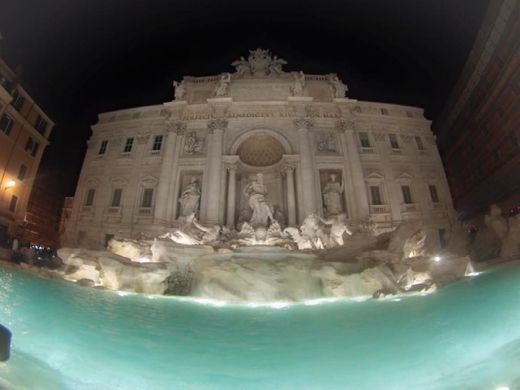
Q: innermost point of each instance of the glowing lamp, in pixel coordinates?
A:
(10, 184)
(437, 258)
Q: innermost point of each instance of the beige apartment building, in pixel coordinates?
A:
(24, 134)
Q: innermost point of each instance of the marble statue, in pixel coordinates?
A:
(223, 84)
(275, 67)
(242, 66)
(298, 84)
(339, 88)
(259, 60)
(193, 144)
(180, 90)
(190, 198)
(256, 192)
(338, 226)
(332, 196)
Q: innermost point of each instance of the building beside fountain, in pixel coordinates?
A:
(319, 152)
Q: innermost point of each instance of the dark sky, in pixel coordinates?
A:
(82, 57)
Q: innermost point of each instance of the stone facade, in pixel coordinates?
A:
(220, 131)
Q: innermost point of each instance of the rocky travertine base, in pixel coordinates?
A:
(363, 267)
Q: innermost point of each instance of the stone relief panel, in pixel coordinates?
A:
(326, 141)
(194, 142)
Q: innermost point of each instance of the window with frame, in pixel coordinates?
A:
(409, 114)
(375, 195)
(419, 143)
(6, 124)
(393, 141)
(41, 125)
(89, 200)
(365, 141)
(22, 172)
(128, 145)
(433, 194)
(407, 194)
(147, 199)
(31, 146)
(13, 203)
(18, 100)
(103, 147)
(157, 143)
(116, 197)
(384, 111)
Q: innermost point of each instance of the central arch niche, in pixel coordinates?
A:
(260, 150)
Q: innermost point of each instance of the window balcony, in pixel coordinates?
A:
(145, 210)
(409, 208)
(86, 209)
(379, 209)
(438, 206)
(114, 210)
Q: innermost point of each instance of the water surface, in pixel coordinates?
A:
(465, 336)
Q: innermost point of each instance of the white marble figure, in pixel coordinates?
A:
(275, 67)
(180, 90)
(242, 66)
(223, 84)
(332, 196)
(190, 198)
(338, 226)
(339, 88)
(256, 192)
(193, 144)
(298, 84)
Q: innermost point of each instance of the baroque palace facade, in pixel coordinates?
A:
(319, 153)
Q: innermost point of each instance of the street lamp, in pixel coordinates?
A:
(10, 184)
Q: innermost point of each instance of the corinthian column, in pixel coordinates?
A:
(231, 195)
(361, 211)
(216, 129)
(291, 197)
(166, 174)
(306, 164)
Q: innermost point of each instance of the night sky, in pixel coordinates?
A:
(83, 57)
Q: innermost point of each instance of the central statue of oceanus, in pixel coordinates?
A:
(256, 192)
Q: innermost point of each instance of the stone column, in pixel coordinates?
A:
(231, 195)
(306, 164)
(214, 169)
(291, 197)
(165, 176)
(356, 171)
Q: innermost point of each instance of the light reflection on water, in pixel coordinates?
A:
(466, 335)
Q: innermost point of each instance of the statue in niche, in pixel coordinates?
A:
(326, 142)
(242, 66)
(298, 84)
(223, 84)
(332, 196)
(193, 144)
(339, 88)
(180, 90)
(190, 198)
(256, 192)
(275, 67)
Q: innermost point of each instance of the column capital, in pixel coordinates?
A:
(289, 167)
(343, 125)
(217, 124)
(231, 167)
(178, 127)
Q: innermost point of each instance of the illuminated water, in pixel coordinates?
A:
(465, 336)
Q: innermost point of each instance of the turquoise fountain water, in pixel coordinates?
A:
(466, 335)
